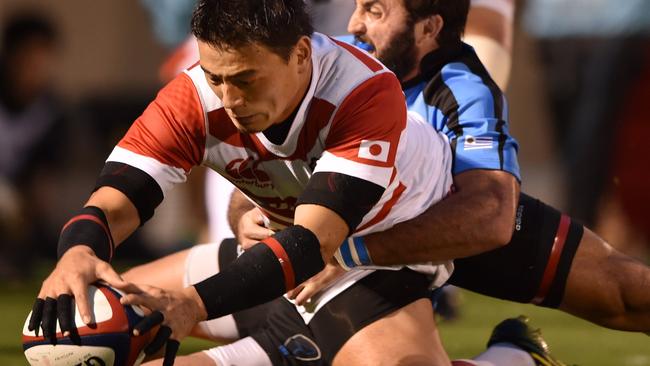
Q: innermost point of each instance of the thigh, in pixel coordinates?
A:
(607, 287)
(182, 269)
(193, 359)
(408, 336)
(375, 301)
(369, 300)
(179, 270)
(167, 272)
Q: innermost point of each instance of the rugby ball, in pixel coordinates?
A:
(107, 341)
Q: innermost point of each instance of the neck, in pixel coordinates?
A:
(411, 75)
(421, 51)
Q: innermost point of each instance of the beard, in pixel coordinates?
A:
(400, 56)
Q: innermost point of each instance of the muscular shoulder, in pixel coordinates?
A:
(463, 86)
(172, 128)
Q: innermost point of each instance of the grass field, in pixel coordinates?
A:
(572, 340)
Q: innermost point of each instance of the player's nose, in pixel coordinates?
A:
(356, 25)
(231, 96)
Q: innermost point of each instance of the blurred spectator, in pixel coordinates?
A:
(31, 136)
(489, 30)
(180, 221)
(331, 16)
(591, 51)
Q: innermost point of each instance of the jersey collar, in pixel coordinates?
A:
(433, 62)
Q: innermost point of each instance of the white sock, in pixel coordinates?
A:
(504, 354)
(244, 352)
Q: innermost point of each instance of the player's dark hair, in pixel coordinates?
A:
(453, 13)
(25, 27)
(228, 24)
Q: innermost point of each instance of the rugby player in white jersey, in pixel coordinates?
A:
(312, 130)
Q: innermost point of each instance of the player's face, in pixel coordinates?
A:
(386, 26)
(258, 88)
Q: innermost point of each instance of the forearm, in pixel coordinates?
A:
(237, 207)
(121, 214)
(277, 264)
(478, 217)
(292, 255)
(263, 272)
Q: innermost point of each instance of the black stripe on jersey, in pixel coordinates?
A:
(140, 188)
(476, 67)
(437, 94)
(350, 197)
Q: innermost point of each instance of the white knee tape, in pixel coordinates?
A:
(202, 262)
(243, 352)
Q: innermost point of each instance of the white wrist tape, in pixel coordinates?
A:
(353, 253)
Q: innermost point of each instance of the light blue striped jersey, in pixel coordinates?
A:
(455, 93)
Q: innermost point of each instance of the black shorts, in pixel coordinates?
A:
(534, 266)
(282, 333)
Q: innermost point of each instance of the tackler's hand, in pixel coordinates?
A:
(77, 268)
(177, 312)
(251, 228)
(320, 281)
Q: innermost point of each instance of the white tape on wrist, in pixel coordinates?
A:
(353, 253)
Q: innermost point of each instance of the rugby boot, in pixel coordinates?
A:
(517, 332)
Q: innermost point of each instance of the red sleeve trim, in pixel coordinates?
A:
(367, 60)
(99, 222)
(385, 209)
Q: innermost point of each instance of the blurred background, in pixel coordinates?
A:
(75, 74)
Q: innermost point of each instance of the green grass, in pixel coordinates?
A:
(572, 340)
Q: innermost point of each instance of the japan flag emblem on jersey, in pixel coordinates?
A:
(374, 150)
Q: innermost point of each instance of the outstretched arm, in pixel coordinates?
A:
(477, 217)
(263, 272)
(157, 152)
(86, 244)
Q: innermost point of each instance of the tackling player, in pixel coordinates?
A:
(548, 259)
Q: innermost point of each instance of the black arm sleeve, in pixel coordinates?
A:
(260, 275)
(141, 189)
(350, 197)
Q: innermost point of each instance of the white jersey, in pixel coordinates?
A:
(352, 121)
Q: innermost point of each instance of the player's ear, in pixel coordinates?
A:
(427, 31)
(431, 26)
(302, 53)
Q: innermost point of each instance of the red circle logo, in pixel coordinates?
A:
(374, 149)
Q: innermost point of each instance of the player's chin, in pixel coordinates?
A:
(253, 128)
